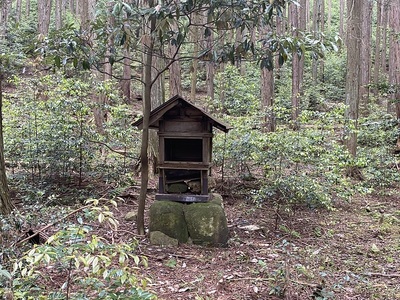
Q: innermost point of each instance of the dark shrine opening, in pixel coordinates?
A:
(172, 176)
(185, 150)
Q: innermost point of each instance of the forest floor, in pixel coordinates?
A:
(351, 252)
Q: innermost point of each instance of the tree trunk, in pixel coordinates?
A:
(175, 85)
(195, 64)
(72, 6)
(296, 65)
(267, 89)
(126, 76)
(353, 75)
(18, 10)
(385, 13)
(341, 19)
(4, 15)
(44, 12)
(394, 60)
(58, 14)
(365, 56)
(329, 21)
(5, 201)
(157, 98)
(378, 47)
(28, 7)
(210, 66)
(148, 81)
(267, 96)
(317, 28)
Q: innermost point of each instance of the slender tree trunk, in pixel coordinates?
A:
(267, 88)
(353, 75)
(378, 47)
(44, 12)
(210, 70)
(329, 25)
(157, 98)
(341, 19)
(322, 29)
(394, 60)
(279, 32)
(210, 65)
(126, 76)
(175, 85)
(27, 7)
(385, 13)
(148, 63)
(4, 15)
(100, 111)
(195, 62)
(296, 65)
(5, 201)
(267, 96)
(72, 6)
(317, 28)
(58, 14)
(18, 10)
(365, 71)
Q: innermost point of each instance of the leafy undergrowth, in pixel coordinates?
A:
(349, 253)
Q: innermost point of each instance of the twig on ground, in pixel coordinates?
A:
(382, 274)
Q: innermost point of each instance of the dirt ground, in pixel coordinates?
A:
(352, 252)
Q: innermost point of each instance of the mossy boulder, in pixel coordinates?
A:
(168, 217)
(206, 223)
(159, 238)
(217, 199)
(177, 188)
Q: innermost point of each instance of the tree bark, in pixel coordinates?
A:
(195, 37)
(18, 10)
(329, 21)
(353, 75)
(385, 13)
(58, 13)
(210, 65)
(341, 19)
(4, 15)
(296, 66)
(267, 89)
(378, 47)
(394, 60)
(44, 12)
(175, 85)
(28, 7)
(126, 76)
(365, 56)
(5, 201)
(148, 81)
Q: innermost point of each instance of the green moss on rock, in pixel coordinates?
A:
(159, 238)
(168, 217)
(206, 223)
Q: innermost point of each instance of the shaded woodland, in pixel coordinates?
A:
(309, 172)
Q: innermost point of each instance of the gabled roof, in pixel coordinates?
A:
(158, 112)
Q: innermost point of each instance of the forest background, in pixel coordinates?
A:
(311, 90)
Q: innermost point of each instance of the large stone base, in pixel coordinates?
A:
(203, 223)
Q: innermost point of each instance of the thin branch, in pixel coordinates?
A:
(113, 150)
(393, 275)
(52, 224)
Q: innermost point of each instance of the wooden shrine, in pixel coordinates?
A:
(185, 149)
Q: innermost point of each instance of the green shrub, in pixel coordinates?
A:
(88, 265)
